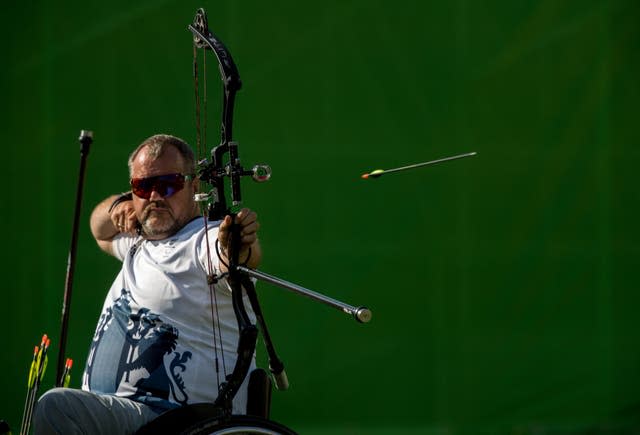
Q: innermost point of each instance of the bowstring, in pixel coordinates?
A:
(201, 146)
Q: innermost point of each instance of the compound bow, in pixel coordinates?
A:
(214, 172)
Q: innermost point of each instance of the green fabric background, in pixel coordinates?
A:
(504, 287)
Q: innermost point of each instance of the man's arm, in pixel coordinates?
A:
(106, 224)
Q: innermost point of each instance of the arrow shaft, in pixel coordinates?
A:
(432, 162)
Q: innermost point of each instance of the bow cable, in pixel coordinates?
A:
(201, 146)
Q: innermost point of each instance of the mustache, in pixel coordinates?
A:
(152, 206)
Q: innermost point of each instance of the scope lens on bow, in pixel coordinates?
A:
(164, 185)
(261, 173)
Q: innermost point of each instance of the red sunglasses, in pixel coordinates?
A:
(164, 185)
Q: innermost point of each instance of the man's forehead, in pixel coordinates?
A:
(169, 161)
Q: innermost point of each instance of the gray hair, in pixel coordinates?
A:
(156, 145)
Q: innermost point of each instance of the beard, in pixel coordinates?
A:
(158, 221)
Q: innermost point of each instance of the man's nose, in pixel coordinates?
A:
(155, 196)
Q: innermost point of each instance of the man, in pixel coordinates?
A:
(155, 346)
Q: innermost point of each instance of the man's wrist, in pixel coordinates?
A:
(124, 196)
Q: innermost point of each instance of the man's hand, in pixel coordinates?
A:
(250, 252)
(108, 220)
(123, 217)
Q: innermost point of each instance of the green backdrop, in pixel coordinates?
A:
(504, 287)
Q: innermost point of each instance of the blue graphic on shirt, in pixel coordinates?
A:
(127, 356)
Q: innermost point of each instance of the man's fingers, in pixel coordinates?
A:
(130, 222)
(117, 221)
(252, 228)
(224, 225)
(246, 216)
(249, 239)
(123, 217)
(248, 221)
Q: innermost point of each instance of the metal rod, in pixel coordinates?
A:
(86, 137)
(361, 314)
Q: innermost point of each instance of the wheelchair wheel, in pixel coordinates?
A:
(239, 424)
(205, 419)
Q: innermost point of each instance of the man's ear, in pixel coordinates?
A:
(196, 184)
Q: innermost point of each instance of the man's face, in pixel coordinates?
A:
(161, 217)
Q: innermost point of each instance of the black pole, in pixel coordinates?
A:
(86, 138)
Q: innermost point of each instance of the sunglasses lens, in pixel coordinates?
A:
(164, 185)
(141, 187)
(166, 189)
